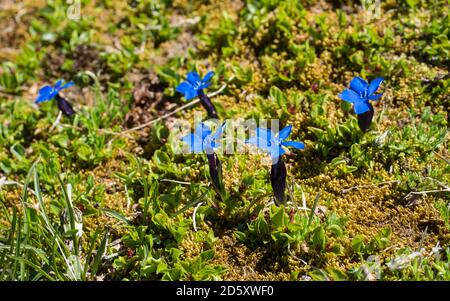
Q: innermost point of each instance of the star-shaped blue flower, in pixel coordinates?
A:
(360, 93)
(47, 93)
(203, 140)
(274, 144)
(194, 84)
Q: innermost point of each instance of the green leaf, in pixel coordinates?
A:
(279, 218)
(83, 151)
(261, 226)
(336, 230)
(278, 96)
(161, 267)
(382, 239)
(18, 151)
(175, 253)
(243, 75)
(207, 255)
(161, 159)
(350, 169)
(355, 151)
(412, 3)
(337, 249)
(240, 236)
(318, 238)
(161, 219)
(337, 274)
(313, 210)
(319, 133)
(100, 252)
(61, 140)
(116, 215)
(358, 244)
(319, 275)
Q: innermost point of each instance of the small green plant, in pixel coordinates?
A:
(11, 80)
(104, 194)
(362, 247)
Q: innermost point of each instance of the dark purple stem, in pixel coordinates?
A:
(365, 119)
(278, 180)
(207, 104)
(64, 106)
(215, 171)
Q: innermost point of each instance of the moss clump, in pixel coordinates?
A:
(382, 193)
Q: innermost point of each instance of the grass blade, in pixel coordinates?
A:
(99, 255)
(313, 210)
(71, 215)
(116, 215)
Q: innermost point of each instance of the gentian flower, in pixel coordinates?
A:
(274, 144)
(194, 86)
(48, 93)
(359, 94)
(203, 140)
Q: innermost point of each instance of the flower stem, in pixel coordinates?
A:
(64, 106)
(215, 171)
(189, 104)
(207, 104)
(278, 180)
(365, 119)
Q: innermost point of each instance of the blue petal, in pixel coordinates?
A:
(361, 107)
(263, 139)
(194, 142)
(45, 93)
(358, 84)
(204, 85)
(202, 130)
(374, 85)
(284, 133)
(375, 96)
(208, 77)
(209, 140)
(193, 78)
(46, 90)
(264, 133)
(58, 84)
(219, 131)
(294, 144)
(209, 144)
(41, 98)
(276, 152)
(68, 85)
(192, 93)
(215, 144)
(187, 89)
(183, 87)
(350, 96)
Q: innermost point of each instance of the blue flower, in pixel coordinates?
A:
(274, 144)
(194, 84)
(360, 93)
(203, 139)
(47, 93)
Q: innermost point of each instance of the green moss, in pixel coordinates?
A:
(286, 60)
